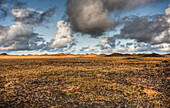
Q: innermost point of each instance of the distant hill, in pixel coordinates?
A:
(142, 55)
(3, 54)
(102, 55)
(118, 55)
(99, 55)
(151, 55)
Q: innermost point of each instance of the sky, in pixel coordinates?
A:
(84, 26)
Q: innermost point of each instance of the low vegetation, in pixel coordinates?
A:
(128, 81)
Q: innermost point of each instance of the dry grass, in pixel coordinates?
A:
(84, 82)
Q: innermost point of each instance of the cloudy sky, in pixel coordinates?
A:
(84, 26)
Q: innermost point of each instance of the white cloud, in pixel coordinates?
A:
(167, 11)
(164, 48)
(63, 36)
(104, 40)
(18, 37)
(143, 47)
(149, 29)
(20, 13)
(32, 16)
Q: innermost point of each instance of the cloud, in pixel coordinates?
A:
(3, 9)
(104, 40)
(7, 5)
(103, 43)
(88, 16)
(93, 16)
(94, 50)
(71, 45)
(149, 29)
(167, 11)
(18, 37)
(123, 50)
(129, 44)
(165, 48)
(107, 42)
(63, 36)
(18, 4)
(141, 47)
(119, 42)
(112, 41)
(106, 51)
(122, 46)
(32, 16)
(1, 1)
(84, 49)
(145, 47)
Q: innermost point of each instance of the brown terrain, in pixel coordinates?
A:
(67, 80)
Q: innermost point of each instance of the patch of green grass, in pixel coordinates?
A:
(69, 94)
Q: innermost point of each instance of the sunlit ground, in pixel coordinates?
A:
(85, 82)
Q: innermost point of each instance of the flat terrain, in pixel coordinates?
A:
(49, 81)
(43, 57)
